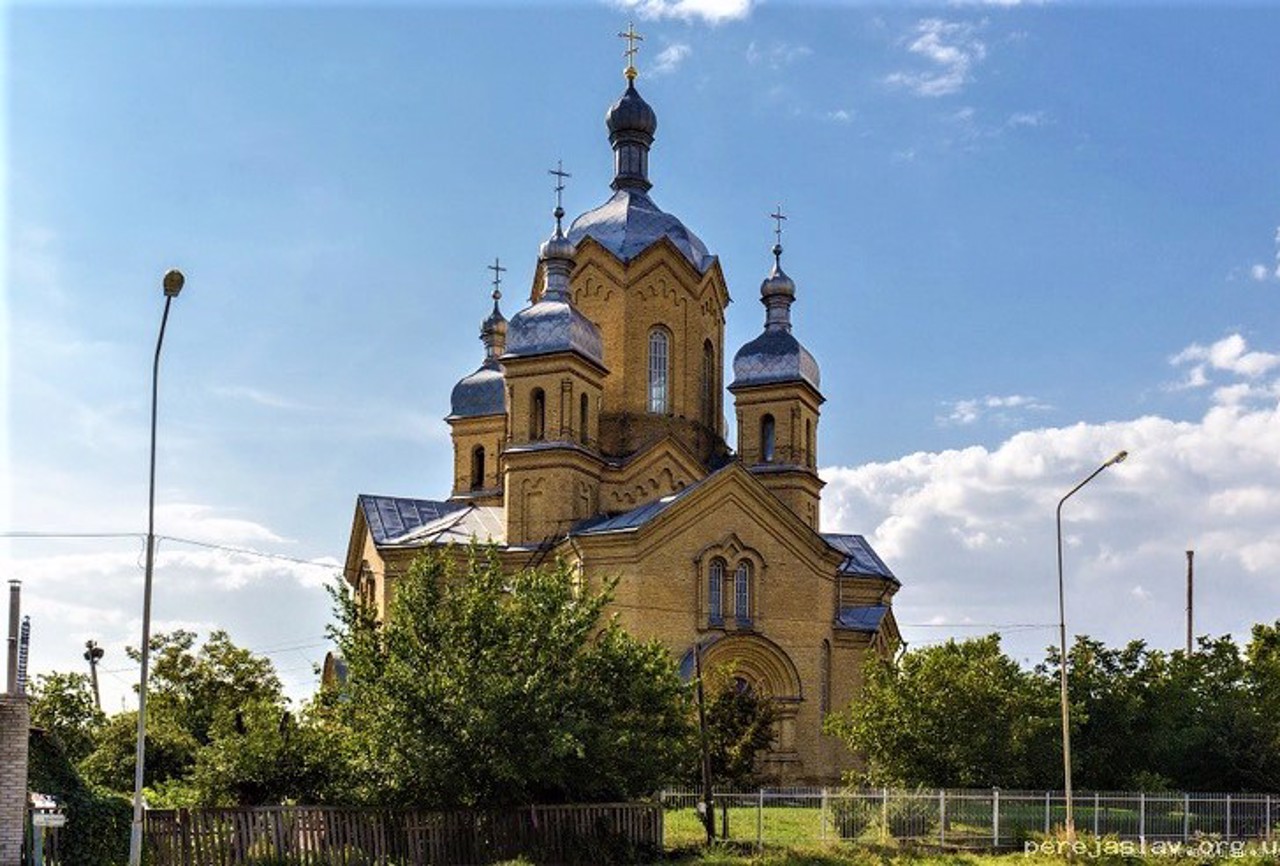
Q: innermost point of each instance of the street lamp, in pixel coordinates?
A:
(1062, 635)
(173, 282)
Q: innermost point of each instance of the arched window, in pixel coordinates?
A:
(709, 385)
(766, 439)
(742, 593)
(824, 680)
(658, 396)
(715, 591)
(583, 403)
(538, 415)
(477, 468)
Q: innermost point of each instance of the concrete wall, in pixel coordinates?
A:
(15, 725)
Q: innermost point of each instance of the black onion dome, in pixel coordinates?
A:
(631, 114)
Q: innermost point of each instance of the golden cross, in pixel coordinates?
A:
(632, 38)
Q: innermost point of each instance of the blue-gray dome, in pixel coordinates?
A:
(774, 356)
(553, 326)
(631, 114)
(484, 392)
(629, 223)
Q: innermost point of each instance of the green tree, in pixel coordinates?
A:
(740, 728)
(191, 688)
(62, 704)
(486, 688)
(171, 752)
(958, 714)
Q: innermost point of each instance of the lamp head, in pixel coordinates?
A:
(173, 282)
(1120, 457)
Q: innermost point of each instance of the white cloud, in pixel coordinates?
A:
(971, 531)
(1260, 273)
(257, 396)
(709, 11)
(840, 115)
(670, 58)
(777, 54)
(1027, 119)
(1231, 354)
(951, 47)
(1006, 409)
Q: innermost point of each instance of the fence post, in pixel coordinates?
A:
(1097, 808)
(1268, 834)
(1142, 818)
(884, 815)
(760, 822)
(1228, 817)
(995, 817)
(1046, 813)
(942, 816)
(1186, 818)
(822, 816)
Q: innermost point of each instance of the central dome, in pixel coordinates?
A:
(629, 223)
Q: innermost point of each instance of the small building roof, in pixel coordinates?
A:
(864, 618)
(483, 523)
(860, 560)
(392, 516)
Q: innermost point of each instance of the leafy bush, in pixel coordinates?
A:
(98, 822)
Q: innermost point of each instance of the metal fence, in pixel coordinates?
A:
(969, 819)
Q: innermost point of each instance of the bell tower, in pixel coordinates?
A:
(777, 399)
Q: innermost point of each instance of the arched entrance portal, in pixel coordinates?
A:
(766, 668)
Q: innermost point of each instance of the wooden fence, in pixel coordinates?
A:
(321, 836)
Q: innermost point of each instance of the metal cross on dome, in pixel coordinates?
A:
(778, 216)
(560, 175)
(497, 269)
(632, 38)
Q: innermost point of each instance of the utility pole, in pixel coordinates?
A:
(1191, 555)
(709, 815)
(93, 654)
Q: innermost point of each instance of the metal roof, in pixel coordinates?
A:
(859, 558)
(483, 523)
(484, 392)
(774, 356)
(391, 516)
(862, 618)
(629, 223)
(636, 517)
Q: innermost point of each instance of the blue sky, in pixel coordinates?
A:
(1024, 236)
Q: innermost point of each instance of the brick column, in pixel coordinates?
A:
(15, 725)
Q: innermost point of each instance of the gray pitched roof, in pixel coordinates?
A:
(629, 223)
(636, 517)
(865, 618)
(390, 516)
(859, 559)
(483, 523)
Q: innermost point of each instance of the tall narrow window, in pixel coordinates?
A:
(709, 385)
(715, 591)
(742, 593)
(766, 439)
(824, 680)
(810, 458)
(477, 468)
(658, 371)
(538, 415)
(583, 403)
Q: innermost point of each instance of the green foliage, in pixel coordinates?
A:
(62, 704)
(740, 724)
(191, 688)
(962, 714)
(489, 689)
(958, 714)
(170, 753)
(97, 830)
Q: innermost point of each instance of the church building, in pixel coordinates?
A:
(593, 432)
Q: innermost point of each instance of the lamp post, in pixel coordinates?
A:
(1062, 635)
(173, 282)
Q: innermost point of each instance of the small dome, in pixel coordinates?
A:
(484, 392)
(629, 223)
(631, 114)
(774, 356)
(554, 326)
(557, 246)
(495, 324)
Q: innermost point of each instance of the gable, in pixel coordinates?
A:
(664, 468)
